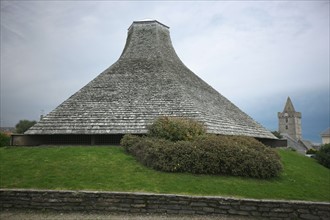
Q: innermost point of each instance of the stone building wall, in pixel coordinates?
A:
(88, 201)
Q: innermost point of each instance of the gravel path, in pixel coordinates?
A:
(35, 215)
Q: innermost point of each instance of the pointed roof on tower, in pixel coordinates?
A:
(326, 133)
(289, 106)
(289, 110)
(148, 80)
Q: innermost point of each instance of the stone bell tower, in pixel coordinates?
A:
(289, 121)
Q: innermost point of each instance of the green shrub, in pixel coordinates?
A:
(323, 155)
(292, 149)
(311, 151)
(4, 139)
(208, 154)
(24, 125)
(176, 129)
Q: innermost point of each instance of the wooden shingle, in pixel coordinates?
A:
(149, 80)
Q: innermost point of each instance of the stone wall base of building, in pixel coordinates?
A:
(274, 142)
(105, 139)
(35, 140)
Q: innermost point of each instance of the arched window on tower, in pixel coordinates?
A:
(286, 127)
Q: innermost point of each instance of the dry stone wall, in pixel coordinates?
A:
(91, 201)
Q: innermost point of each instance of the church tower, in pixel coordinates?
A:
(289, 121)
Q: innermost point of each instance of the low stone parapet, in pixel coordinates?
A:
(117, 202)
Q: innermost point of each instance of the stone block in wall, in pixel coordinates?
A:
(309, 217)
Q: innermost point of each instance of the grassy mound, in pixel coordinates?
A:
(111, 169)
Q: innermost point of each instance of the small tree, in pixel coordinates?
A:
(4, 139)
(323, 155)
(24, 125)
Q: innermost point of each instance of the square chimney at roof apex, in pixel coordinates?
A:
(147, 21)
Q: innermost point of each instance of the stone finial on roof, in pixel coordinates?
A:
(147, 21)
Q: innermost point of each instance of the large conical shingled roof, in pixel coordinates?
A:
(149, 80)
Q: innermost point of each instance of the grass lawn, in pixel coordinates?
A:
(111, 169)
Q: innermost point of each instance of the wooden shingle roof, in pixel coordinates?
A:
(149, 80)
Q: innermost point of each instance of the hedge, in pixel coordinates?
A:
(323, 155)
(176, 129)
(4, 139)
(207, 154)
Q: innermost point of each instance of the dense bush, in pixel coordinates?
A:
(176, 129)
(4, 139)
(311, 151)
(323, 155)
(24, 125)
(208, 154)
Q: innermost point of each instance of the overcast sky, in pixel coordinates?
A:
(255, 53)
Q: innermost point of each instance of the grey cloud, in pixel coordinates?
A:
(246, 50)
